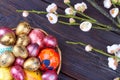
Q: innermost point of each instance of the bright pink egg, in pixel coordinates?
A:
(19, 61)
(33, 49)
(50, 75)
(36, 36)
(50, 41)
(17, 72)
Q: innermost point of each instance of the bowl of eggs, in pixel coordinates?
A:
(28, 53)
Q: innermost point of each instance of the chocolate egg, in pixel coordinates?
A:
(8, 39)
(23, 28)
(23, 40)
(6, 59)
(32, 64)
(20, 51)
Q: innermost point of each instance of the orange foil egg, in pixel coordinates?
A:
(49, 59)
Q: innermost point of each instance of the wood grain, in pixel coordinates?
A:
(77, 64)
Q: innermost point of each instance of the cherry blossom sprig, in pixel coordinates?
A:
(113, 12)
(85, 22)
(113, 53)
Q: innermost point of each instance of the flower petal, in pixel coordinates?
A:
(52, 18)
(80, 6)
(51, 8)
(70, 11)
(114, 12)
(113, 49)
(107, 3)
(85, 26)
(112, 63)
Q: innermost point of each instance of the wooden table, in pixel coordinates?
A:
(77, 64)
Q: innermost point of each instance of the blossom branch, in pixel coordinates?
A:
(112, 59)
(84, 15)
(33, 11)
(94, 49)
(95, 5)
(71, 24)
(78, 8)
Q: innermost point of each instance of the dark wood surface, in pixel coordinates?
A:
(76, 63)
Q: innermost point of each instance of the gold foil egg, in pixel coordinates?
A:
(20, 51)
(8, 39)
(23, 40)
(6, 59)
(23, 28)
(32, 64)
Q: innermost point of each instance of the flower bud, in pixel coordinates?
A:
(25, 13)
(69, 11)
(66, 1)
(71, 20)
(88, 48)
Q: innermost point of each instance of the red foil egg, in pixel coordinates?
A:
(36, 36)
(49, 59)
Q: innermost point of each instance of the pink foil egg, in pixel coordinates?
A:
(33, 49)
(17, 72)
(36, 36)
(50, 75)
(19, 61)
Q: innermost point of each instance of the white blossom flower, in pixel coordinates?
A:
(88, 48)
(113, 49)
(85, 26)
(66, 1)
(112, 63)
(80, 6)
(52, 18)
(51, 8)
(25, 13)
(70, 11)
(118, 53)
(107, 3)
(71, 20)
(114, 12)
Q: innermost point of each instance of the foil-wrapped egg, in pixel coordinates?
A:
(6, 59)
(23, 40)
(32, 64)
(33, 49)
(8, 39)
(20, 51)
(23, 28)
(7, 36)
(49, 59)
(36, 36)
